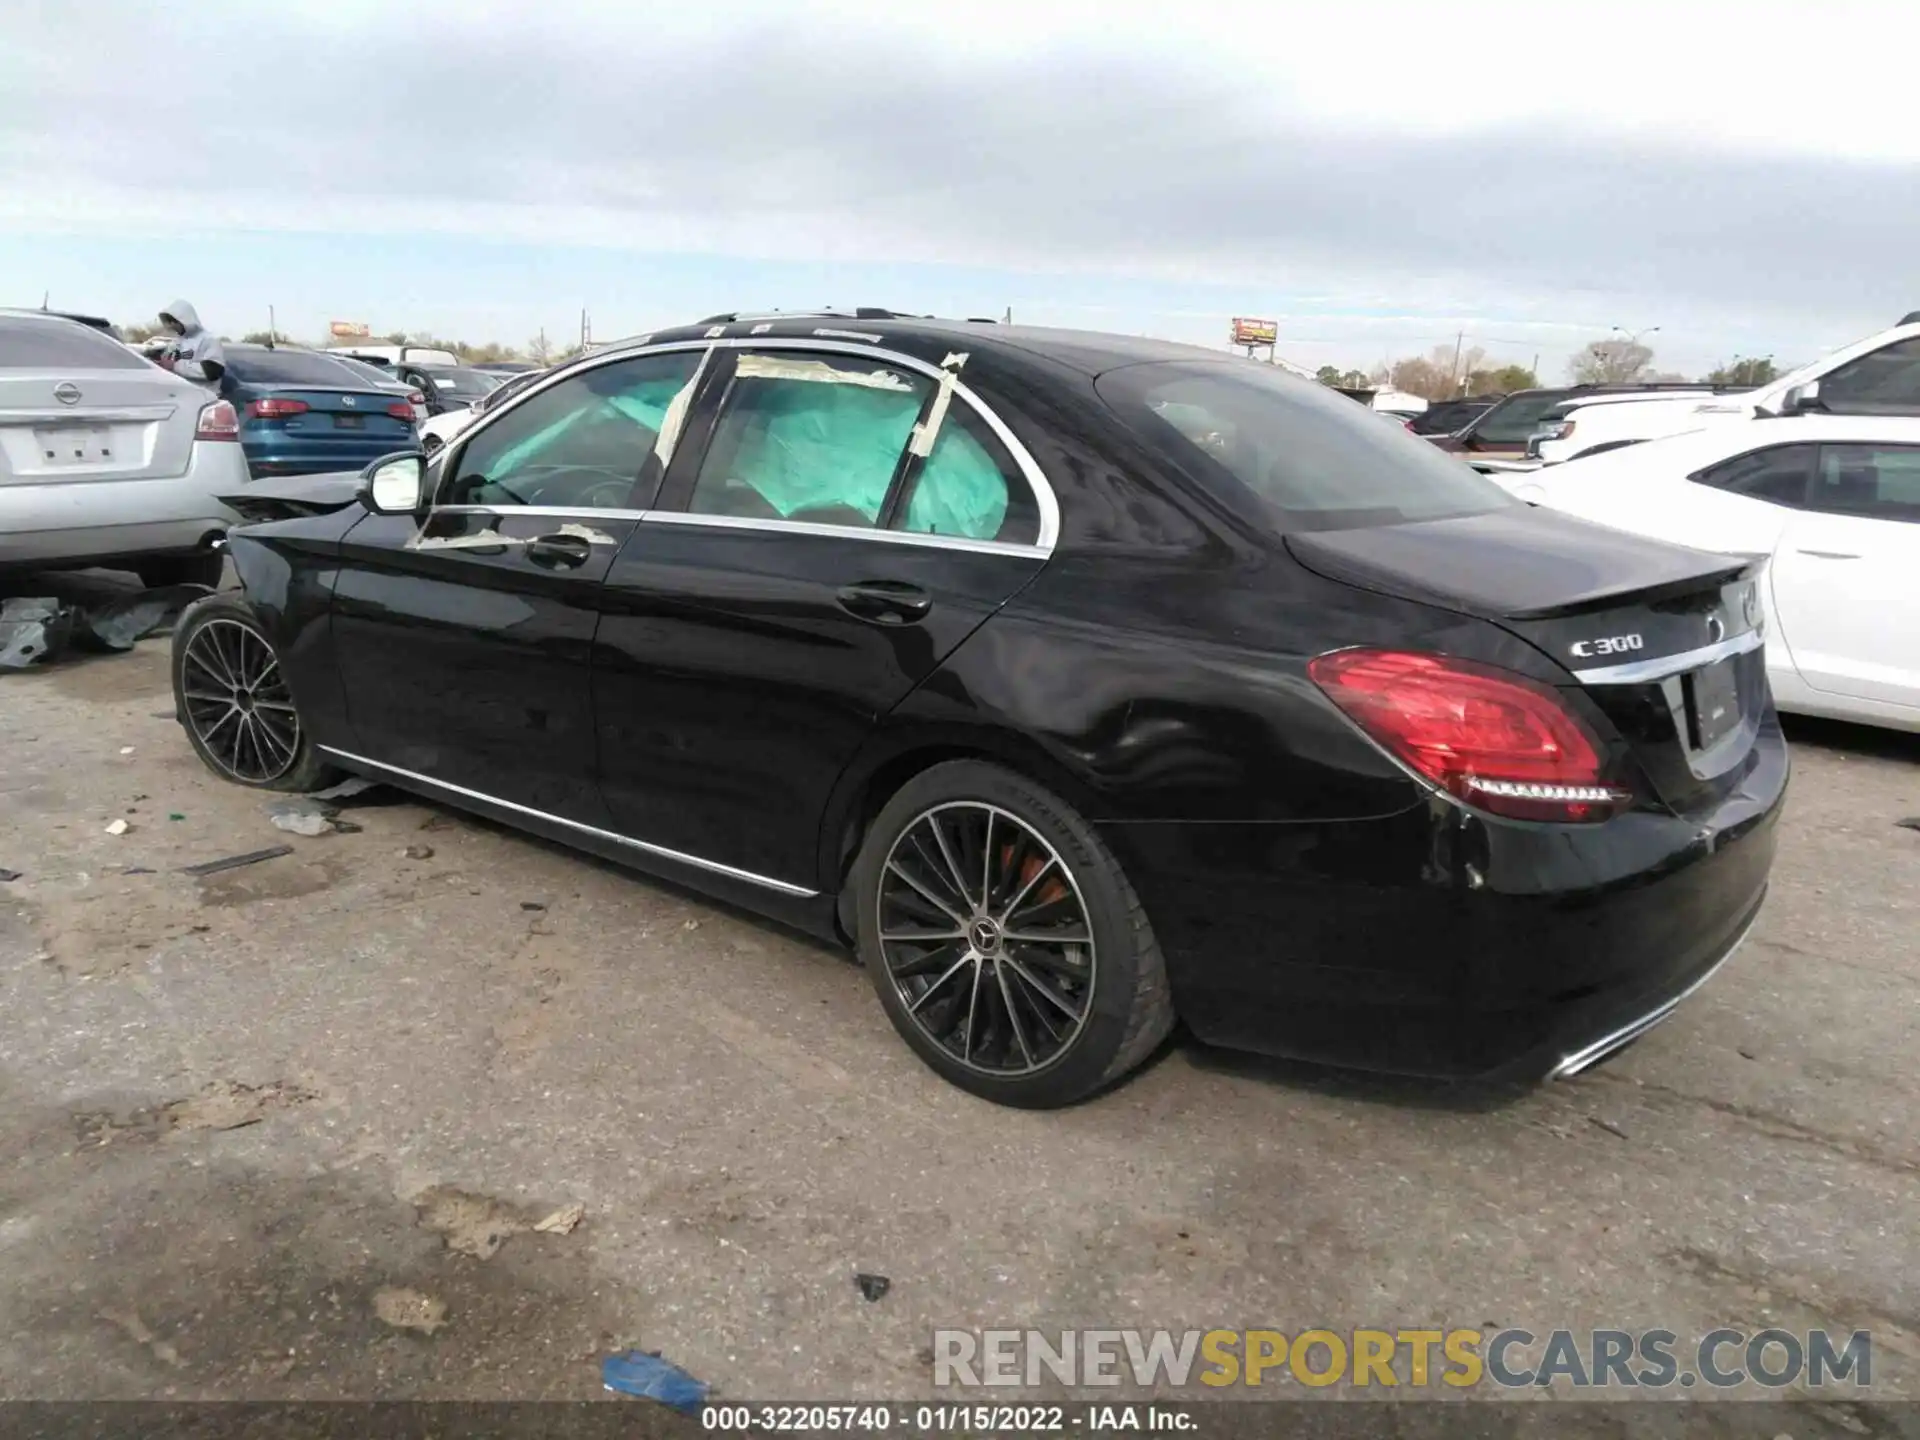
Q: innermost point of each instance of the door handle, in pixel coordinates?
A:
(886, 602)
(1831, 554)
(562, 552)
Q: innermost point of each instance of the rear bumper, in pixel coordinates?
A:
(322, 457)
(1438, 943)
(71, 521)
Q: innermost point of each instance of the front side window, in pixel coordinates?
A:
(1886, 382)
(1515, 418)
(1307, 454)
(1778, 475)
(1879, 482)
(814, 438)
(583, 443)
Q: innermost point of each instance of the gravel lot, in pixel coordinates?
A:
(446, 1031)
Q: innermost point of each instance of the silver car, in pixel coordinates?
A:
(106, 459)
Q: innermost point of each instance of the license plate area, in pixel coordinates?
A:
(349, 422)
(60, 445)
(1713, 703)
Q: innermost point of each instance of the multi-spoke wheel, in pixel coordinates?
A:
(1004, 940)
(232, 697)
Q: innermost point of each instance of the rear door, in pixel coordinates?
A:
(806, 568)
(1844, 577)
(465, 641)
(77, 407)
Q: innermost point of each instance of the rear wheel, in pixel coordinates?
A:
(229, 692)
(1004, 941)
(204, 568)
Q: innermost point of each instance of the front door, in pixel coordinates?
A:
(465, 641)
(805, 569)
(1844, 575)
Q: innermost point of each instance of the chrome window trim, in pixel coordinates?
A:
(1638, 672)
(1044, 498)
(846, 532)
(565, 512)
(799, 892)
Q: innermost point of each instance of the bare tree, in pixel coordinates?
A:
(540, 351)
(1436, 375)
(1611, 362)
(1745, 372)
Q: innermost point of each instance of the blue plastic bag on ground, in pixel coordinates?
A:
(651, 1378)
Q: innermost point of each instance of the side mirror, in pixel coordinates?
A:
(395, 484)
(1801, 398)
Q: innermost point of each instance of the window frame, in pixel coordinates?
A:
(1813, 447)
(668, 506)
(1868, 408)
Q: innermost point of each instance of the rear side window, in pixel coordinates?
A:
(1778, 475)
(292, 367)
(60, 345)
(1886, 382)
(816, 438)
(969, 487)
(1880, 482)
(1305, 453)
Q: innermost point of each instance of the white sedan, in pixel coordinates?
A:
(1833, 500)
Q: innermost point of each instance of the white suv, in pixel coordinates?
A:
(1879, 375)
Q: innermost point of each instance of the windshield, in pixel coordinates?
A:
(1303, 451)
(292, 367)
(466, 384)
(1516, 417)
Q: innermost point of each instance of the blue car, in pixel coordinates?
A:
(304, 413)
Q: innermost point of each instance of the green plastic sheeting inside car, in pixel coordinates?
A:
(645, 404)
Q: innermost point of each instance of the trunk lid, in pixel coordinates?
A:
(343, 414)
(1663, 641)
(86, 425)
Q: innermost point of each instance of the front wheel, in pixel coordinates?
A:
(1005, 943)
(231, 696)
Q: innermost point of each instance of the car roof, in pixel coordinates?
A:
(1086, 351)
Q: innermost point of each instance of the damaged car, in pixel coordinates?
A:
(1083, 684)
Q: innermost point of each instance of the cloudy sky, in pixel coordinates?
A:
(1375, 176)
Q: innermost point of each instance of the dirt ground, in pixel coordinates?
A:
(285, 1131)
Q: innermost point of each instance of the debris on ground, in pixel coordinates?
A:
(1607, 1125)
(137, 1331)
(126, 749)
(310, 815)
(175, 815)
(230, 1105)
(532, 905)
(406, 1309)
(6, 875)
(301, 822)
(438, 822)
(872, 1287)
(234, 862)
(1911, 822)
(476, 1225)
(346, 789)
(118, 827)
(38, 628)
(127, 870)
(562, 1221)
(648, 1376)
(417, 852)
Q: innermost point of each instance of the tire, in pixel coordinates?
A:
(206, 568)
(263, 746)
(1051, 868)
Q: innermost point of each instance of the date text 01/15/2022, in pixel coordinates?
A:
(945, 1419)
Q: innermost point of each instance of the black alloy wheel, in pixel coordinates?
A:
(233, 699)
(1003, 939)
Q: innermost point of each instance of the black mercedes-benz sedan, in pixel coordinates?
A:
(1084, 684)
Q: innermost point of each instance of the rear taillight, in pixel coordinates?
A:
(1496, 740)
(401, 410)
(217, 422)
(277, 409)
(416, 398)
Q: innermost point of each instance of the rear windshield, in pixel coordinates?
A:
(293, 367)
(1515, 418)
(61, 345)
(468, 384)
(1301, 450)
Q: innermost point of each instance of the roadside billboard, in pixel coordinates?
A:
(1255, 332)
(350, 330)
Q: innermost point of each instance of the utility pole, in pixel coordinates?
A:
(1536, 367)
(273, 327)
(586, 330)
(1007, 319)
(1453, 375)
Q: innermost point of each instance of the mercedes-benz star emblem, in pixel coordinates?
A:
(67, 393)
